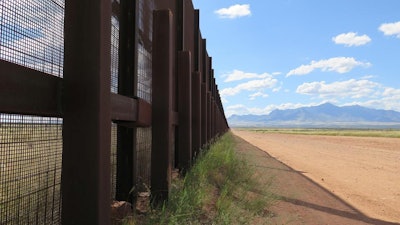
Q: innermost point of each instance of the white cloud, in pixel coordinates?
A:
(258, 94)
(277, 89)
(224, 100)
(254, 85)
(241, 109)
(379, 97)
(391, 29)
(240, 75)
(276, 73)
(337, 64)
(388, 99)
(237, 110)
(341, 89)
(391, 102)
(234, 11)
(367, 77)
(351, 39)
(391, 93)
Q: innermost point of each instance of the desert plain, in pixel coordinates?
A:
(364, 172)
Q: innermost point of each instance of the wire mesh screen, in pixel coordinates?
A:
(144, 88)
(30, 169)
(32, 34)
(144, 69)
(144, 73)
(143, 149)
(113, 159)
(114, 53)
(114, 89)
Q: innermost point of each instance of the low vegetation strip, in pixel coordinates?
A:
(334, 132)
(219, 189)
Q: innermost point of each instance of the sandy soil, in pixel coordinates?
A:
(361, 175)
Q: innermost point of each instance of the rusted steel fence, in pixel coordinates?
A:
(99, 100)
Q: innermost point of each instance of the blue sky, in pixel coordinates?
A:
(280, 54)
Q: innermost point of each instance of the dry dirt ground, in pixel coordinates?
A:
(328, 179)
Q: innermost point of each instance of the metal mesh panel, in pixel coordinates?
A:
(144, 88)
(113, 159)
(30, 169)
(144, 49)
(32, 34)
(114, 89)
(144, 73)
(143, 148)
(114, 53)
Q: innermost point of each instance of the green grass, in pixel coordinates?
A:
(219, 189)
(335, 132)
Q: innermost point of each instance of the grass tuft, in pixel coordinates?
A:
(219, 189)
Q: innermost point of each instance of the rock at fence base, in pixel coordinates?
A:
(143, 202)
(120, 210)
(175, 174)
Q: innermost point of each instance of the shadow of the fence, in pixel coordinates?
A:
(357, 215)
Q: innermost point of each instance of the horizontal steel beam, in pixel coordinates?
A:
(31, 92)
(130, 112)
(123, 108)
(27, 91)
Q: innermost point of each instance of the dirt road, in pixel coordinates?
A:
(363, 172)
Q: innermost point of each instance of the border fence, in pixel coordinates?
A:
(99, 98)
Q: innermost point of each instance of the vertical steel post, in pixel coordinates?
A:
(214, 103)
(162, 131)
(204, 90)
(185, 110)
(196, 112)
(208, 85)
(197, 42)
(189, 30)
(87, 121)
(203, 114)
(127, 79)
(197, 90)
(209, 109)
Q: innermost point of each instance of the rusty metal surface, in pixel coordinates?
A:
(197, 42)
(27, 91)
(196, 86)
(123, 108)
(189, 30)
(170, 5)
(185, 110)
(196, 112)
(127, 67)
(204, 108)
(125, 162)
(87, 119)
(209, 109)
(163, 53)
(131, 112)
(204, 58)
(144, 112)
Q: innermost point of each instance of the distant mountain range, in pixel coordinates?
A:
(325, 115)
